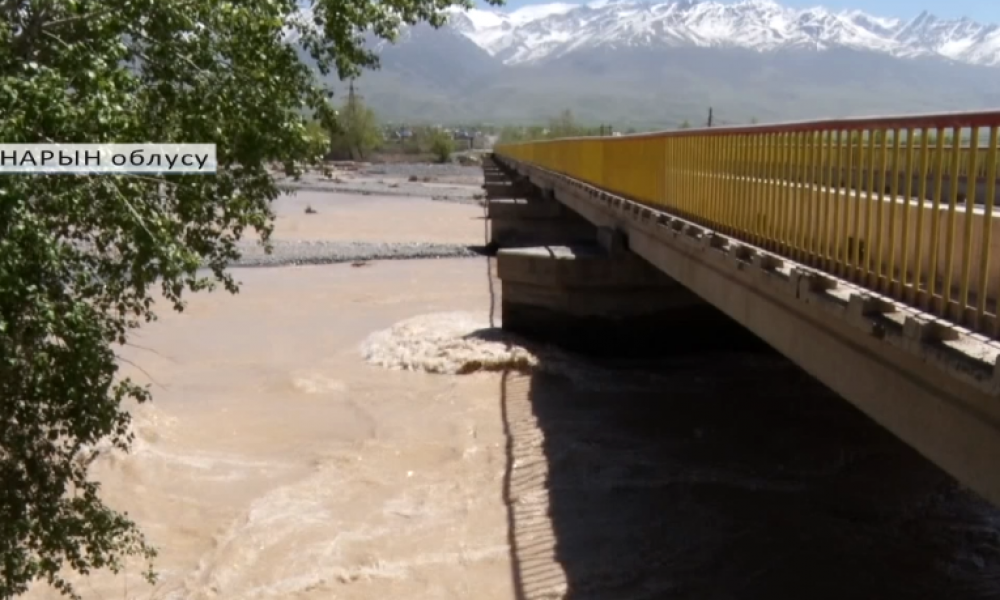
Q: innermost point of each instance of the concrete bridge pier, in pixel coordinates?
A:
(533, 221)
(563, 281)
(521, 214)
(601, 302)
(500, 182)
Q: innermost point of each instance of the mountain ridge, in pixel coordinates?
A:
(544, 31)
(463, 73)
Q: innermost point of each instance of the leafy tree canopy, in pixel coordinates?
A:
(357, 132)
(442, 145)
(81, 255)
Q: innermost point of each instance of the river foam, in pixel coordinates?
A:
(461, 343)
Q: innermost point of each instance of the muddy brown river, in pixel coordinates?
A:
(320, 436)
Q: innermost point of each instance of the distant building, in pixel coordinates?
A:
(484, 141)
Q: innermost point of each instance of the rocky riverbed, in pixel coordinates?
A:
(439, 182)
(315, 252)
(365, 212)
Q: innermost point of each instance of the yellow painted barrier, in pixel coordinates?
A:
(888, 203)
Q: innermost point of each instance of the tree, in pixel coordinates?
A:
(81, 256)
(564, 125)
(357, 132)
(419, 141)
(442, 146)
(318, 138)
(684, 125)
(510, 135)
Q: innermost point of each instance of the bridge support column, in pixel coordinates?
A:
(532, 222)
(500, 183)
(585, 300)
(521, 214)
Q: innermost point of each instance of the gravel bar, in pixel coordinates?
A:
(287, 253)
(435, 194)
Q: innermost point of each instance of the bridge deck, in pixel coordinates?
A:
(826, 194)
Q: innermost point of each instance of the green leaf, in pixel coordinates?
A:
(81, 257)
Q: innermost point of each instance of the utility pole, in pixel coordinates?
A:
(352, 116)
(709, 116)
(351, 96)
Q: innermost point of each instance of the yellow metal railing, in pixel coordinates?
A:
(888, 203)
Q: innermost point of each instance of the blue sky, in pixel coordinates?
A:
(987, 11)
(979, 10)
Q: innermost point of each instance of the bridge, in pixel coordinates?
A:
(864, 250)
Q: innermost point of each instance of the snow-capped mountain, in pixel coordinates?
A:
(535, 33)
